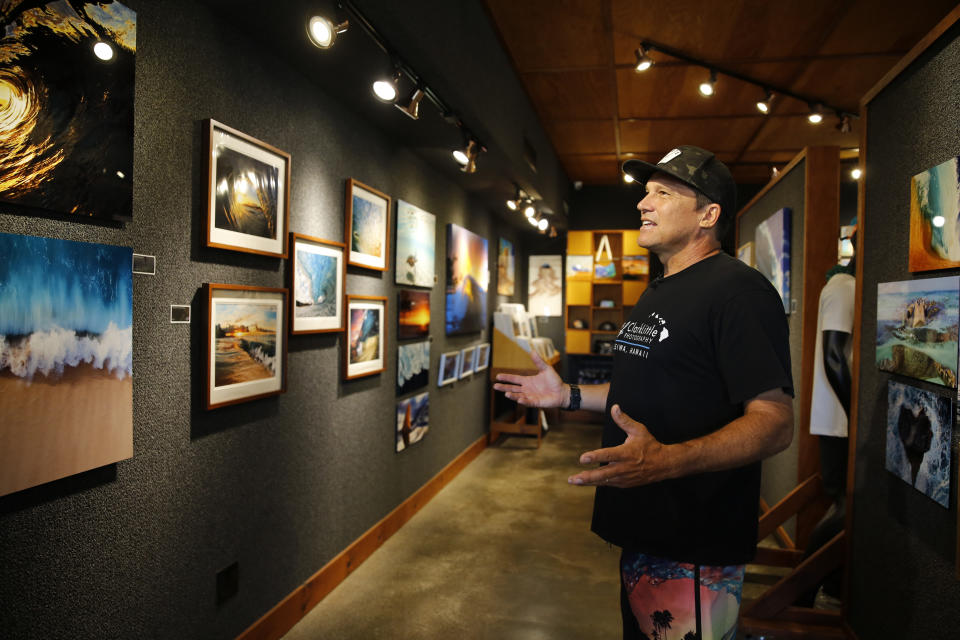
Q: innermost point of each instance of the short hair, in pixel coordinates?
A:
(723, 221)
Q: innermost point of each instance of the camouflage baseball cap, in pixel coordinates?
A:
(696, 167)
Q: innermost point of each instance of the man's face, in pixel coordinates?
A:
(669, 217)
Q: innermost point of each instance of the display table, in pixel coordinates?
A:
(509, 357)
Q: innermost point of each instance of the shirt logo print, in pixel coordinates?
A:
(637, 338)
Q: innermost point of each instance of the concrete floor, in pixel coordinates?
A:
(504, 551)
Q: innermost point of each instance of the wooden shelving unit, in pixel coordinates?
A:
(594, 302)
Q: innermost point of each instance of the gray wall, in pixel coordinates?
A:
(904, 543)
(780, 471)
(280, 485)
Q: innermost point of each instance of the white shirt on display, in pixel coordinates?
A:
(827, 417)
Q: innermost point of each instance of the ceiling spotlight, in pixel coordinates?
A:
(844, 125)
(533, 221)
(412, 106)
(644, 61)
(543, 224)
(468, 156)
(103, 51)
(386, 90)
(529, 210)
(855, 173)
(512, 205)
(774, 172)
(323, 33)
(707, 88)
(763, 106)
(816, 115)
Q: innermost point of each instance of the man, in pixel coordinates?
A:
(700, 393)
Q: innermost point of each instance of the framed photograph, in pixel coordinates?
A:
(248, 192)
(506, 267)
(416, 246)
(772, 252)
(745, 254)
(482, 358)
(67, 113)
(246, 349)
(579, 267)
(413, 420)
(413, 319)
(468, 278)
(466, 361)
(545, 286)
(934, 211)
(368, 219)
(449, 368)
(366, 337)
(919, 427)
(66, 358)
(917, 328)
(317, 276)
(413, 366)
(636, 267)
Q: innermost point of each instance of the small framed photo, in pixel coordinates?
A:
(248, 192)
(413, 319)
(366, 336)
(466, 361)
(449, 368)
(367, 223)
(246, 345)
(482, 357)
(317, 275)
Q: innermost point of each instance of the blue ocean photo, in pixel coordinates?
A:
(413, 420)
(468, 277)
(919, 428)
(315, 285)
(772, 252)
(368, 227)
(413, 366)
(917, 328)
(935, 217)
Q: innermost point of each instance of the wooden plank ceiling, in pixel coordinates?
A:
(576, 59)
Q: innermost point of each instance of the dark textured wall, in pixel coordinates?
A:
(279, 485)
(780, 471)
(904, 543)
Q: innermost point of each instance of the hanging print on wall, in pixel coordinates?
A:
(544, 288)
(772, 252)
(413, 366)
(413, 319)
(506, 267)
(248, 192)
(413, 420)
(66, 98)
(416, 246)
(919, 427)
(367, 221)
(366, 336)
(468, 277)
(917, 328)
(317, 272)
(935, 217)
(66, 358)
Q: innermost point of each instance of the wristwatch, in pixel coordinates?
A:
(574, 398)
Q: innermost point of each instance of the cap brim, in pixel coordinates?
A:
(640, 170)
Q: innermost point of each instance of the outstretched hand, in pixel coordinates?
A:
(639, 460)
(544, 390)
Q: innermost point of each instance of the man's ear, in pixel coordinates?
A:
(710, 216)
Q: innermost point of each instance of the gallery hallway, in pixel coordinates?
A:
(504, 551)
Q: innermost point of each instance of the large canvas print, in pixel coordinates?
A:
(248, 192)
(317, 276)
(413, 366)
(772, 252)
(413, 320)
(66, 107)
(66, 358)
(919, 427)
(544, 286)
(246, 343)
(416, 246)
(366, 336)
(367, 222)
(506, 267)
(917, 328)
(468, 277)
(935, 217)
(413, 420)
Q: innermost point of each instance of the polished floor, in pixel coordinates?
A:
(502, 552)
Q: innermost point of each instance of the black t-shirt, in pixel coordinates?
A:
(695, 347)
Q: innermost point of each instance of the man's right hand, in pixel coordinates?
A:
(544, 390)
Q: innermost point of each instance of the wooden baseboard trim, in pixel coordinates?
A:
(279, 620)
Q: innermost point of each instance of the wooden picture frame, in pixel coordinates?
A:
(365, 321)
(367, 226)
(246, 343)
(316, 265)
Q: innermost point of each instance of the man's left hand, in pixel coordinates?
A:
(639, 460)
